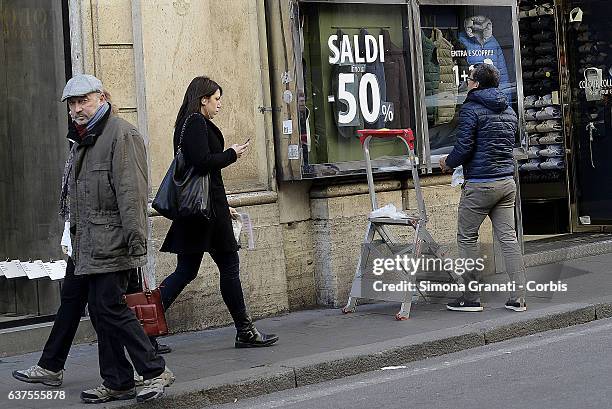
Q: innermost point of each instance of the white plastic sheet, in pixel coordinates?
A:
(243, 223)
(389, 211)
(66, 242)
(457, 178)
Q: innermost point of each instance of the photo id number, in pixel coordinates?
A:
(36, 395)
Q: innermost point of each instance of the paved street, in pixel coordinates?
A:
(560, 369)
(321, 345)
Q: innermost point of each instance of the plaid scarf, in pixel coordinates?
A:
(64, 201)
(82, 131)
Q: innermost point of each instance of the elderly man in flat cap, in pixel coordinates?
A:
(104, 197)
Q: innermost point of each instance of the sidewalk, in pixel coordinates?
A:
(320, 345)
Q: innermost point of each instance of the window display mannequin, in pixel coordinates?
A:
(483, 47)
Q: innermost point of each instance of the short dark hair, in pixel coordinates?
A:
(200, 87)
(486, 75)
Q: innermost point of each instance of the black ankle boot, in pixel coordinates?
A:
(160, 348)
(247, 336)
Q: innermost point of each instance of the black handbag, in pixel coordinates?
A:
(183, 192)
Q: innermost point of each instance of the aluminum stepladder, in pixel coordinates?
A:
(422, 241)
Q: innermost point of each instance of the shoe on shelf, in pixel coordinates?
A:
(461, 304)
(516, 305)
(154, 388)
(103, 394)
(38, 374)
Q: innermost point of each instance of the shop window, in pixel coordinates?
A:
(33, 149)
(453, 40)
(355, 70)
(589, 65)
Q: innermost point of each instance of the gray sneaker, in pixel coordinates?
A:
(103, 394)
(516, 305)
(38, 374)
(138, 380)
(154, 388)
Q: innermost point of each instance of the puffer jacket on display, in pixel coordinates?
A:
(431, 71)
(485, 136)
(447, 89)
(481, 45)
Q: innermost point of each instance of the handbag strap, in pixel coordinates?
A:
(145, 285)
(184, 127)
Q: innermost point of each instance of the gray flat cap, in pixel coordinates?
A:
(81, 84)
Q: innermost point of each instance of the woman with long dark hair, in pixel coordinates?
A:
(189, 239)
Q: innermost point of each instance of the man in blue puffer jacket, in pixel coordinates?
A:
(485, 138)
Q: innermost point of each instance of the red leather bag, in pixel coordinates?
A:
(148, 307)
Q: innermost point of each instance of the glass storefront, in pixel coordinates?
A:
(589, 57)
(33, 127)
(356, 75)
(543, 176)
(382, 64)
(453, 40)
(567, 81)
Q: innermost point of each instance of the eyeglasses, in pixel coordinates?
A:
(471, 79)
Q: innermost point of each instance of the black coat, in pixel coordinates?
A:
(202, 147)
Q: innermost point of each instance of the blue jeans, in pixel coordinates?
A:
(187, 267)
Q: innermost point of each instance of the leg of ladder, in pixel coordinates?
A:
(436, 249)
(386, 235)
(404, 312)
(351, 305)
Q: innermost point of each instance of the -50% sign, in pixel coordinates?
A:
(359, 100)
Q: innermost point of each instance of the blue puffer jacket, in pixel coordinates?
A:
(485, 136)
(490, 50)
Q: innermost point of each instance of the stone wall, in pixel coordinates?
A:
(339, 224)
(262, 272)
(298, 242)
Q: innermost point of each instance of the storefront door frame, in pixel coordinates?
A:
(562, 9)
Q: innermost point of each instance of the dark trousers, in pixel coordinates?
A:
(187, 267)
(75, 291)
(118, 328)
(73, 300)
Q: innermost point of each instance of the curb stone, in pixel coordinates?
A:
(317, 368)
(332, 365)
(603, 310)
(540, 324)
(223, 388)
